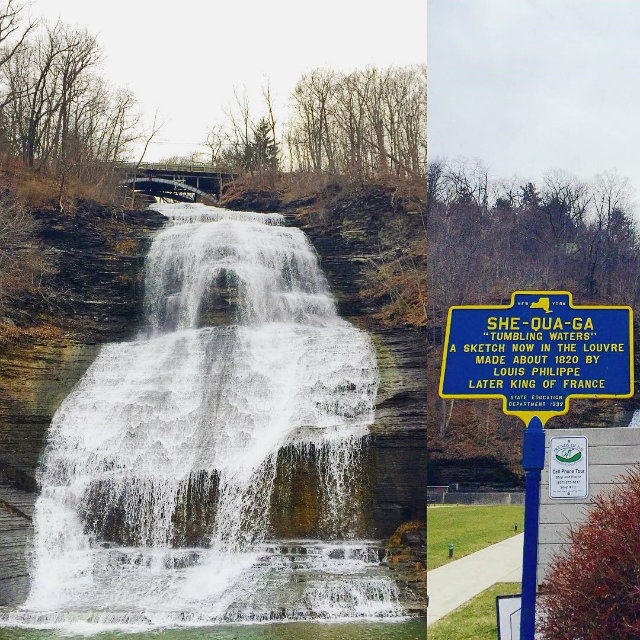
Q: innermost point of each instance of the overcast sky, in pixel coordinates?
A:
(530, 85)
(185, 57)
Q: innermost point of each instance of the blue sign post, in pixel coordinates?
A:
(535, 354)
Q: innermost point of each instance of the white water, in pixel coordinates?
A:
(190, 414)
(635, 420)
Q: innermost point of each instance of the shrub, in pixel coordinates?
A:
(22, 264)
(593, 589)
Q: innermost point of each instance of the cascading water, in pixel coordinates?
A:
(159, 468)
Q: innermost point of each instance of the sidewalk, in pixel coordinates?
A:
(453, 584)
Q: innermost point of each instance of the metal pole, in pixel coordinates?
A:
(532, 462)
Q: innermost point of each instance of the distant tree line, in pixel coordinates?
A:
(488, 237)
(365, 123)
(56, 113)
(371, 121)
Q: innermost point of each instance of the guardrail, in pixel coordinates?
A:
(194, 167)
(483, 497)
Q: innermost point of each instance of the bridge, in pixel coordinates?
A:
(182, 182)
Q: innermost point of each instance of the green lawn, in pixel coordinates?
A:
(475, 620)
(469, 529)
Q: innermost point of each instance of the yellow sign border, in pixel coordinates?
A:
(526, 416)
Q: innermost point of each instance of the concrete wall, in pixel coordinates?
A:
(611, 452)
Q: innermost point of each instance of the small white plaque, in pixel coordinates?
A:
(568, 468)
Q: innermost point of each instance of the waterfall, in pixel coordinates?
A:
(159, 467)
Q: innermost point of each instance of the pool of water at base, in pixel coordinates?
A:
(415, 629)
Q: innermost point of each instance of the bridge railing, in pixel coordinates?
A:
(193, 167)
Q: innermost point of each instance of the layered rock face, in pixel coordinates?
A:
(93, 295)
(396, 453)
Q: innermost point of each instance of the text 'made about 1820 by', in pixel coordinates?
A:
(537, 352)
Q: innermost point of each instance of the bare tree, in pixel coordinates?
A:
(155, 129)
(368, 122)
(242, 124)
(56, 113)
(19, 264)
(13, 32)
(215, 142)
(614, 229)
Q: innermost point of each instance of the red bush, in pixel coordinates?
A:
(593, 589)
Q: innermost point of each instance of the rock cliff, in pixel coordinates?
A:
(90, 294)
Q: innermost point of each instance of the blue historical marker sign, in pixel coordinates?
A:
(538, 352)
(535, 354)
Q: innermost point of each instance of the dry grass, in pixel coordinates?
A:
(307, 185)
(24, 265)
(406, 188)
(402, 280)
(11, 335)
(126, 246)
(41, 190)
(34, 191)
(22, 262)
(291, 186)
(246, 182)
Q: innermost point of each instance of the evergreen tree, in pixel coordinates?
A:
(264, 147)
